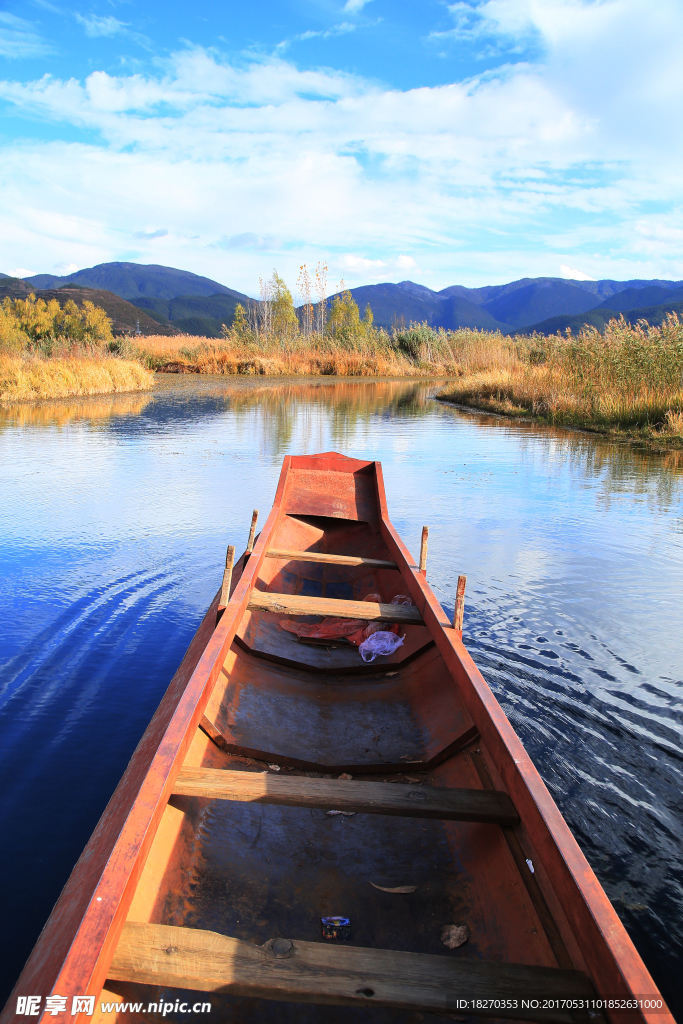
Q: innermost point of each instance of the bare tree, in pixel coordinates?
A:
(321, 297)
(265, 307)
(307, 311)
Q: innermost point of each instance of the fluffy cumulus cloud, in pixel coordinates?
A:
(574, 275)
(567, 160)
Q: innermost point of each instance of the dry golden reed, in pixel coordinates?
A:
(630, 377)
(31, 377)
(63, 411)
(371, 353)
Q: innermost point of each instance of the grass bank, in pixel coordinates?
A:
(30, 376)
(628, 380)
(418, 351)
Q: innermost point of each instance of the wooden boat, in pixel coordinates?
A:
(218, 857)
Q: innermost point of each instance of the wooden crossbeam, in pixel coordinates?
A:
(366, 797)
(295, 604)
(314, 972)
(318, 556)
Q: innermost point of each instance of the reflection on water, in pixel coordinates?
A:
(114, 528)
(67, 410)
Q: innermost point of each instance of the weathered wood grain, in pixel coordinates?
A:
(295, 604)
(364, 797)
(319, 556)
(227, 577)
(459, 603)
(252, 530)
(423, 550)
(314, 972)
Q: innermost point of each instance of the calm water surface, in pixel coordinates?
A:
(115, 514)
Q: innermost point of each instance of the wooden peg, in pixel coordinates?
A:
(227, 577)
(459, 603)
(423, 550)
(252, 531)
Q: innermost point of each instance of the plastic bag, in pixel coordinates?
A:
(381, 642)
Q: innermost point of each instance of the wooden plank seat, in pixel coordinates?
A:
(346, 795)
(317, 972)
(320, 556)
(295, 604)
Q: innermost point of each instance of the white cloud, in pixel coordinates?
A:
(18, 38)
(148, 235)
(21, 272)
(328, 33)
(64, 269)
(360, 263)
(574, 275)
(95, 25)
(354, 6)
(106, 26)
(500, 176)
(249, 240)
(366, 269)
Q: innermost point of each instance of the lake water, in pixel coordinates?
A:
(115, 514)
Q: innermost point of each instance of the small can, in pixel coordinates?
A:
(336, 927)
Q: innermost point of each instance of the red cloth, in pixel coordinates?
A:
(353, 630)
(328, 628)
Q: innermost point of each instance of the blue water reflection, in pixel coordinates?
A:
(115, 514)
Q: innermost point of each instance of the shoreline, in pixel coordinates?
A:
(643, 437)
(72, 378)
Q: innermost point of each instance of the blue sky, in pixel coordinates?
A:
(470, 142)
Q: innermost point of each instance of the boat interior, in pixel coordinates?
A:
(311, 715)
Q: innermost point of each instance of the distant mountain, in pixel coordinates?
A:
(405, 303)
(537, 301)
(637, 298)
(601, 289)
(508, 307)
(180, 301)
(600, 316)
(136, 280)
(195, 314)
(124, 315)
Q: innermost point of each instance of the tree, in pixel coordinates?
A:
(345, 322)
(284, 318)
(240, 324)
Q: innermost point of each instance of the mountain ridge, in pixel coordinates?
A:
(182, 301)
(137, 280)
